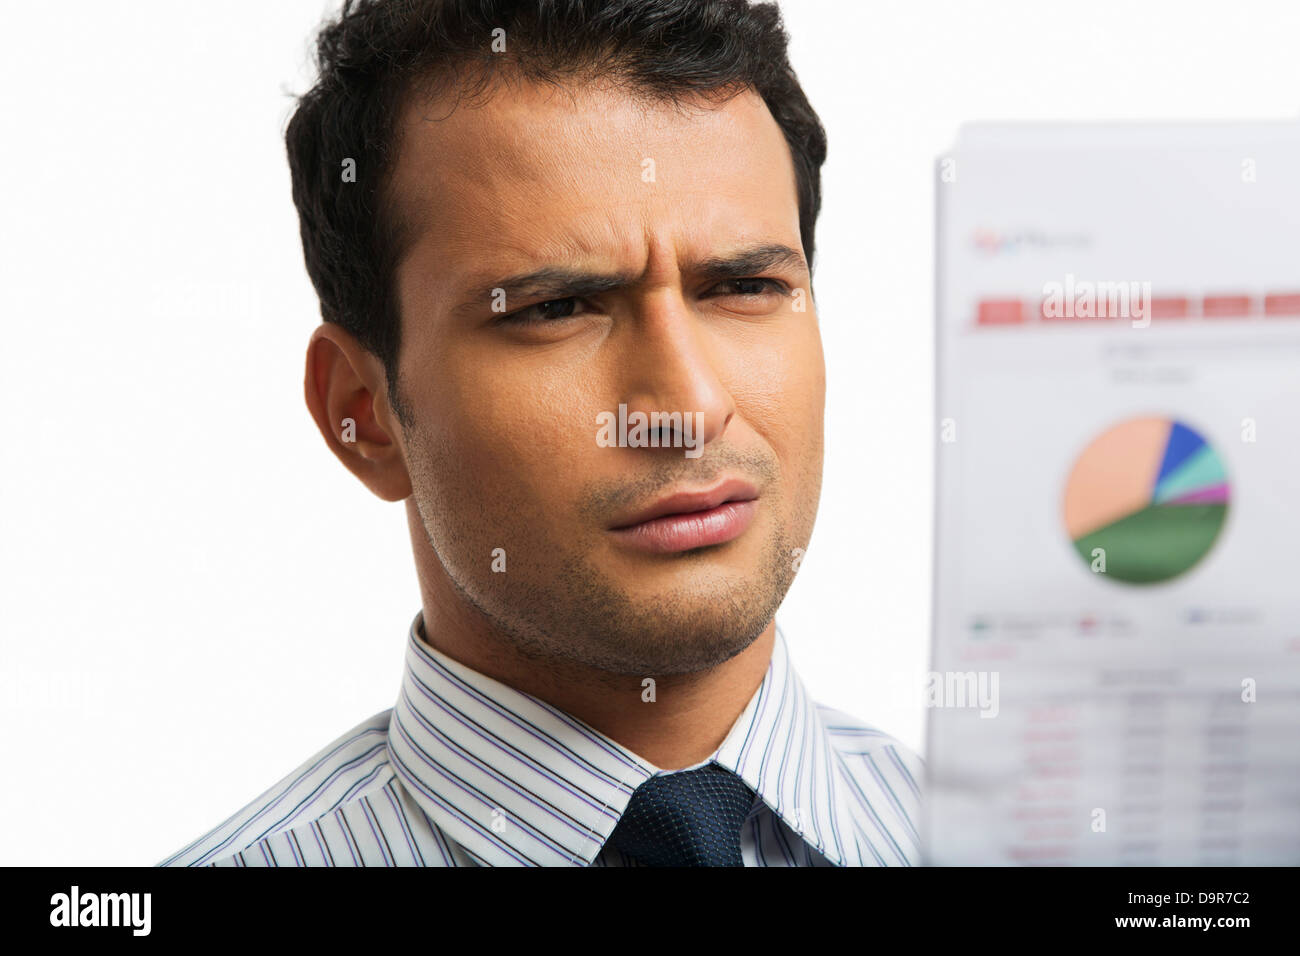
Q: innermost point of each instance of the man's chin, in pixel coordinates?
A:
(681, 644)
(691, 625)
(632, 617)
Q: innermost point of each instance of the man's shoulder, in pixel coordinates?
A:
(854, 738)
(315, 793)
(888, 776)
(851, 735)
(883, 778)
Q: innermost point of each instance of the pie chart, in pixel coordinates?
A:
(1146, 500)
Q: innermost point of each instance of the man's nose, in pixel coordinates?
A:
(671, 365)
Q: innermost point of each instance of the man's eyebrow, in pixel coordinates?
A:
(751, 261)
(551, 282)
(556, 282)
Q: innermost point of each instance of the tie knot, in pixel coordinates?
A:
(686, 818)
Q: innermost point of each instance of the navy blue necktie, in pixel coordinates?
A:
(686, 818)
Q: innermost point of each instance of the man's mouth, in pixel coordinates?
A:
(685, 520)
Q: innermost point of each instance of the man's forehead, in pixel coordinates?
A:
(509, 111)
(526, 152)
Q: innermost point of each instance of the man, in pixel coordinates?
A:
(563, 255)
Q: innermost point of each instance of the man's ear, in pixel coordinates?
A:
(347, 394)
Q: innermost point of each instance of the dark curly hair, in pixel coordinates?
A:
(377, 53)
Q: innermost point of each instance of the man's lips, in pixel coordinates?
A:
(691, 519)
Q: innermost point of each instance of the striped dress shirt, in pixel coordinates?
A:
(466, 771)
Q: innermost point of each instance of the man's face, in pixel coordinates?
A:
(503, 451)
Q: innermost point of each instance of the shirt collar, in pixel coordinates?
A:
(515, 781)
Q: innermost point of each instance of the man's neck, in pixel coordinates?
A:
(686, 722)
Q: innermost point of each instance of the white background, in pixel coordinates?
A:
(175, 538)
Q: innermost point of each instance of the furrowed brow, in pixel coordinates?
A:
(548, 283)
(751, 261)
(553, 282)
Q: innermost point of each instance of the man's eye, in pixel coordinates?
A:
(554, 310)
(751, 286)
(549, 311)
